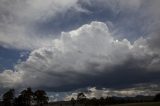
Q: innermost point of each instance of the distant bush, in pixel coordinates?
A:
(157, 97)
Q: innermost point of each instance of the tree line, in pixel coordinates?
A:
(82, 99)
(39, 98)
(26, 98)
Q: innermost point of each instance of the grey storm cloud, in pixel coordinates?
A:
(87, 56)
(18, 19)
(91, 55)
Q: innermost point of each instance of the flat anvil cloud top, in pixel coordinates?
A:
(63, 45)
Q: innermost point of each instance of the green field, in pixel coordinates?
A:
(139, 104)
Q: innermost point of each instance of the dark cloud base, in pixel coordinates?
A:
(120, 77)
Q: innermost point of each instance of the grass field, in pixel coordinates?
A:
(139, 104)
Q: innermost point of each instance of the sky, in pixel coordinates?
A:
(100, 47)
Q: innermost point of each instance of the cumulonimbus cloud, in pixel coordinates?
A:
(81, 55)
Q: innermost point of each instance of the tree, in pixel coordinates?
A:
(8, 97)
(81, 96)
(157, 97)
(73, 101)
(94, 101)
(41, 97)
(102, 101)
(26, 97)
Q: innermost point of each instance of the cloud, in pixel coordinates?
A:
(87, 56)
(118, 5)
(130, 19)
(93, 92)
(93, 54)
(18, 19)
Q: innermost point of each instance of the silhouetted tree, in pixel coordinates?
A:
(81, 96)
(73, 101)
(110, 100)
(8, 97)
(94, 101)
(102, 101)
(26, 97)
(41, 97)
(157, 97)
(20, 101)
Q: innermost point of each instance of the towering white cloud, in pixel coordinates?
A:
(88, 51)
